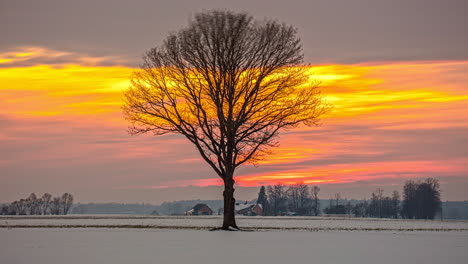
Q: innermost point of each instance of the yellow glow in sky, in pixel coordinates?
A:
(388, 96)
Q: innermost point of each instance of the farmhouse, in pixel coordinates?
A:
(249, 209)
(200, 209)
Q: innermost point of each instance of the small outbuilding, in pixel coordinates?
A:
(200, 209)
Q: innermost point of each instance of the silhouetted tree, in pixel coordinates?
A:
(46, 199)
(361, 209)
(67, 202)
(316, 200)
(382, 206)
(277, 199)
(263, 200)
(395, 204)
(349, 208)
(293, 197)
(33, 204)
(303, 199)
(227, 83)
(56, 206)
(376, 204)
(421, 199)
(4, 210)
(428, 197)
(19, 207)
(409, 207)
(336, 206)
(36, 206)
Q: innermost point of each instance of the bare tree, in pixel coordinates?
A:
(429, 198)
(293, 193)
(380, 199)
(299, 198)
(395, 204)
(421, 199)
(56, 206)
(303, 199)
(46, 199)
(277, 199)
(409, 199)
(316, 207)
(33, 204)
(19, 207)
(67, 202)
(228, 84)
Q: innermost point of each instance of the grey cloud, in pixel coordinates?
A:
(332, 30)
(55, 58)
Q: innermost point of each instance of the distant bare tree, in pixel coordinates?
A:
(395, 204)
(46, 199)
(33, 204)
(303, 199)
(427, 198)
(410, 201)
(20, 207)
(228, 84)
(293, 193)
(67, 202)
(56, 206)
(349, 208)
(277, 199)
(316, 201)
(361, 209)
(380, 197)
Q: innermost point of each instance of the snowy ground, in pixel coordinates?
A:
(248, 223)
(130, 239)
(125, 246)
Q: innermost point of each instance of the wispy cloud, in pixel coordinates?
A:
(33, 56)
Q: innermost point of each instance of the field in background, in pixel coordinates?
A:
(246, 223)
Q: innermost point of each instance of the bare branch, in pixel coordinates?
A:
(227, 83)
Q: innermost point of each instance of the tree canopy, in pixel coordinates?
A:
(228, 83)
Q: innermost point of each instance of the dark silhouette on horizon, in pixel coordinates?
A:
(44, 205)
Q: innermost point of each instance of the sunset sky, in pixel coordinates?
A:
(396, 73)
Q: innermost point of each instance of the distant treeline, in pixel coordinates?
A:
(295, 199)
(421, 200)
(450, 209)
(39, 206)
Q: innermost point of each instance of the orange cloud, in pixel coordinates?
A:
(345, 173)
(67, 91)
(375, 97)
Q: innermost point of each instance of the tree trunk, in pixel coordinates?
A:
(229, 205)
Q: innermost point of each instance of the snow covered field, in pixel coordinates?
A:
(143, 239)
(248, 223)
(125, 246)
